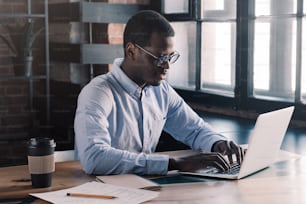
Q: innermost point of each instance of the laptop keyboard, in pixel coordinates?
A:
(235, 167)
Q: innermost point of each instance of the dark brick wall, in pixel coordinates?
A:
(23, 102)
(15, 113)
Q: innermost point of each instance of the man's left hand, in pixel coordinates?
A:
(229, 148)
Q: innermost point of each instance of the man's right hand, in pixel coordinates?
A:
(199, 161)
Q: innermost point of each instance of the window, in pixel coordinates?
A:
(216, 26)
(250, 52)
(218, 46)
(183, 72)
(274, 52)
(302, 82)
(175, 6)
(218, 57)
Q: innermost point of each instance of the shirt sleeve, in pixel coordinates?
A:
(187, 126)
(93, 141)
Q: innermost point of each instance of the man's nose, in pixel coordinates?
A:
(165, 65)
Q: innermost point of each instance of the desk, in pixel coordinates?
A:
(15, 180)
(283, 182)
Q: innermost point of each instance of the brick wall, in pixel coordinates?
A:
(12, 103)
(22, 116)
(15, 114)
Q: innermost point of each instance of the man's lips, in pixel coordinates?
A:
(164, 72)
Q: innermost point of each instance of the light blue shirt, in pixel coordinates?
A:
(118, 125)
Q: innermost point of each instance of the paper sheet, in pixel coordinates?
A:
(129, 180)
(124, 195)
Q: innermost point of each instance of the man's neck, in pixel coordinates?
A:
(123, 67)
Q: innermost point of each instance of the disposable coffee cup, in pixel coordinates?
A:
(41, 161)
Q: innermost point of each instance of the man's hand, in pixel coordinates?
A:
(214, 159)
(199, 161)
(229, 148)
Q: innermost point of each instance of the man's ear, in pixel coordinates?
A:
(130, 50)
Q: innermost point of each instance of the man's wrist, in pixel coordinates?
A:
(215, 144)
(172, 165)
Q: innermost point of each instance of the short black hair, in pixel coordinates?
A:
(140, 27)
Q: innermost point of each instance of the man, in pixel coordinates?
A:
(121, 114)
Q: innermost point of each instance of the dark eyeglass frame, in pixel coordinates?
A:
(171, 58)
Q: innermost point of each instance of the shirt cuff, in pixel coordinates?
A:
(157, 164)
(208, 147)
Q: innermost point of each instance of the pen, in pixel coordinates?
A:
(90, 195)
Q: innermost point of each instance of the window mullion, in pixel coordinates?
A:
(242, 53)
(198, 54)
(298, 83)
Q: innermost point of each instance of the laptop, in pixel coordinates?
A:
(263, 148)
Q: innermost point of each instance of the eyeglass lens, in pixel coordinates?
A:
(168, 58)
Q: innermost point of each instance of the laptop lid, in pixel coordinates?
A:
(265, 140)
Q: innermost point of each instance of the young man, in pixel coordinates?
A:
(120, 115)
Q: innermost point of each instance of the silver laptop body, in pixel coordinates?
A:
(263, 147)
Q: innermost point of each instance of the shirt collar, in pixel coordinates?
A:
(130, 86)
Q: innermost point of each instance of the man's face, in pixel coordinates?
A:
(149, 72)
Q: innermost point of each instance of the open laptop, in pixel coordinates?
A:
(263, 147)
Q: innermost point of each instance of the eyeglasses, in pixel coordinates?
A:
(171, 58)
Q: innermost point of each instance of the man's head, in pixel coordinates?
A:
(141, 26)
(148, 48)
